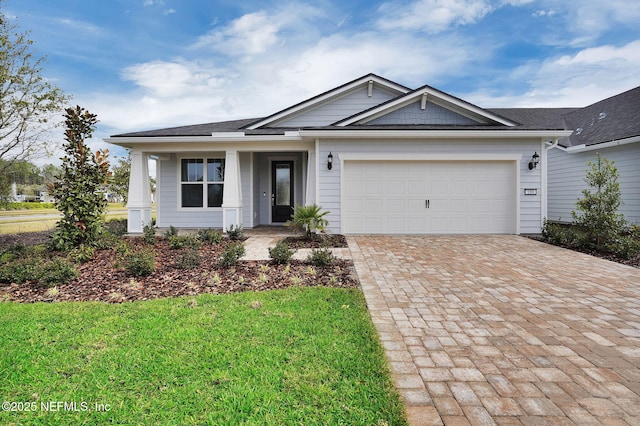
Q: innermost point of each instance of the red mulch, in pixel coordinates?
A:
(103, 278)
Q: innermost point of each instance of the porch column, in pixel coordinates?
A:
(232, 194)
(310, 193)
(139, 198)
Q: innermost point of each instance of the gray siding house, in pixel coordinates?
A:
(382, 158)
(610, 128)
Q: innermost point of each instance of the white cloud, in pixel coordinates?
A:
(257, 32)
(542, 12)
(576, 80)
(432, 15)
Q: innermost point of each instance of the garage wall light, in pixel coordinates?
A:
(330, 161)
(535, 159)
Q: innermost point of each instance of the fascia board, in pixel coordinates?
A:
(327, 96)
(443, 134)
(596, 147)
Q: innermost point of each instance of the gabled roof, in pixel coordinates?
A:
(611, 119)
(428, 94)
(327, 96)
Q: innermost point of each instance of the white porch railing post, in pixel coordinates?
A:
(139, 198)
(232, 194)
(310, 192)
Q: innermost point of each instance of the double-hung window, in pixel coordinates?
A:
(201, 182)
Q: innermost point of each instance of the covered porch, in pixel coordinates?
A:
(222, 186)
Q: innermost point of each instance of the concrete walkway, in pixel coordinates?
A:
(486, 330)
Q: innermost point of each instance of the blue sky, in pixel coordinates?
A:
(143, 64)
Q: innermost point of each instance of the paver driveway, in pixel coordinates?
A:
(504, 330)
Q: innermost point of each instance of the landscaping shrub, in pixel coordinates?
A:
(309, 219)
(57, 271)
(598, 208)
(117, 227)
(82, 254)
(140, 263)
(28, 206)
(49, 273)
(188, 259)
(183, 241)
(231, 254)
(321, 257)
(235, 233)
(281, 253)
(149, 234)
(210, 236)
(171, 232)
(20, 271)
(13, 252)
(562, 234)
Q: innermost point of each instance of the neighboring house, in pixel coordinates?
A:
(610, 128)
(380, 157)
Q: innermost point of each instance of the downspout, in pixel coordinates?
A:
(545, 171)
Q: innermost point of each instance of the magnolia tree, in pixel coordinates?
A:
(79, 190)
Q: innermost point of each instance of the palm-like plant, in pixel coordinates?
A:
(309, 219)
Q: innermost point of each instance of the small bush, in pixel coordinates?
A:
(188, 259)
(210, 236)
(561, 234)
(28, 206)
(183, 241)
(117, 227)
(140, 263)
(13, 252)
(281, 253)
(321, 257)
(82, 254)
(49, 273)
(149, 234)
(171, 232)
(231, 254)
(20, 271)
(58, 271)
(626, 247)
(235, 233)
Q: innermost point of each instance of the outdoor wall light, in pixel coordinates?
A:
(535, 159)
(330, 161)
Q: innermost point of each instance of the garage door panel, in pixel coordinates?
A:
(464, 197)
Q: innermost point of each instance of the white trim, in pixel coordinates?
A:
(596, 147)
(397, 156)
(251, 194)
(442, 134)
(215, 155)
(309, 103)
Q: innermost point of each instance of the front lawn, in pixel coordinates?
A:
(294, 356)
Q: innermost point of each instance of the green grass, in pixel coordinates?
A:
(296, 356)
(26, 224)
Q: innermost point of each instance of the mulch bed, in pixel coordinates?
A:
(635, 262)
(103, 278)
(317, 241)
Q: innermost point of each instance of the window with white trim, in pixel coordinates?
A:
(201, 186)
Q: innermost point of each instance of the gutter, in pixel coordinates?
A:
(605, 145)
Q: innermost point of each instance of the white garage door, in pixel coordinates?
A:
(429, 197)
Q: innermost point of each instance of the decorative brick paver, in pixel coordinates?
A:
(504, 330)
